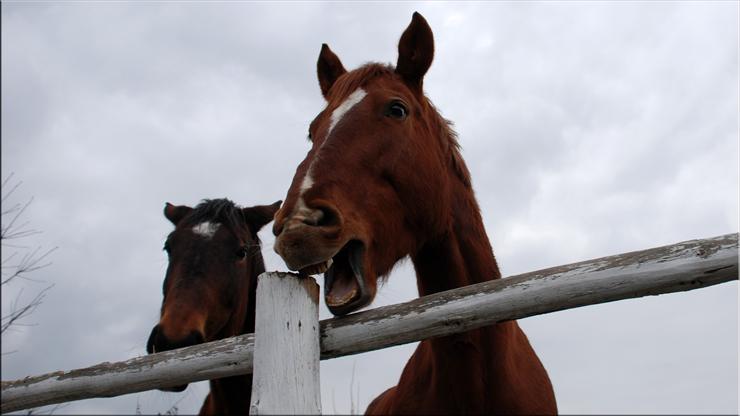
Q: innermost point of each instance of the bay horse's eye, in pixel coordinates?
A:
(241, 254)
(166, 247)
(397, 110)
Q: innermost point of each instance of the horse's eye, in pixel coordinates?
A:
(241, 254)
(166, 247)
(397, 110)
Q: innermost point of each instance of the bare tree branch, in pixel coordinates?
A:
(30, 262)
(19, 312)
(19, 262)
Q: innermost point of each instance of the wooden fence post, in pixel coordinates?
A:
(286, 347)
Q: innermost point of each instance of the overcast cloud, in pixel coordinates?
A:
(590, 129)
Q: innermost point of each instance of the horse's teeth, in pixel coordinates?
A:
(321, 268)
(318, 268)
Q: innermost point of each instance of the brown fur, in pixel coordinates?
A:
(399, 186)
(210, 288)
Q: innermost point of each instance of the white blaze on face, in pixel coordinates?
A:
(307, 183)
(206, 229)
(300, 206)
(339, 112)
(336, 116)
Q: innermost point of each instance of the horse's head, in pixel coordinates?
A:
(374, 185)
(214, 259)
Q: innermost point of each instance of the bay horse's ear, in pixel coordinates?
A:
(415, 51)
(259, 215)
(175, 213)
(329, 68)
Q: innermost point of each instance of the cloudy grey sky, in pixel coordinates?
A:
(590, 129)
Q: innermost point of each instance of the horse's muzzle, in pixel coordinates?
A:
(302, 245)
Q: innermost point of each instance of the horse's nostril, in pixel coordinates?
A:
(196, 338)
(329, 218)
(158, 342)
(322, 217)
(150, 343)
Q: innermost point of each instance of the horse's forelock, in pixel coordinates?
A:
(357, 78)
(221, 211)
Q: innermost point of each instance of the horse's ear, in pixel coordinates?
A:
(175, 213)
(259, 215)
(329, 68)
(415, 51)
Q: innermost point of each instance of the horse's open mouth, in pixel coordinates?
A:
(344, 285)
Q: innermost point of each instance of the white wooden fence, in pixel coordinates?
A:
(290, 340)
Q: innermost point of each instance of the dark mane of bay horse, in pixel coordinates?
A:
(385, 179)
(210, 287)
(220, 210)
(226, 212)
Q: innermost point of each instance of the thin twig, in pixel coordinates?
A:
(30, 262)
(20, 312)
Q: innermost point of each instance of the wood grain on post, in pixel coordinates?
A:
(286, 349)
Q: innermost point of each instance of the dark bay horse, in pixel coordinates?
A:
(384, 179)
(210, 287)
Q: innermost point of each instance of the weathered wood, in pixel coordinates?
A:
(684, 266)
(286, 351)
(222, 358)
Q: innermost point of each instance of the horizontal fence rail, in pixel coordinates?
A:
(679, 267)
(226, 357)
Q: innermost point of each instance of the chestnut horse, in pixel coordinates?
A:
(210, 287)
(384, 179)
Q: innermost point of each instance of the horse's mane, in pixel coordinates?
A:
(445, 133)
(448, 136)
(219, 210)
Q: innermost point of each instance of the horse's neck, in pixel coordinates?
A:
(460, 257)
(461, 365)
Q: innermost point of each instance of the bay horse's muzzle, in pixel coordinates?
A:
(309, 237)
(158, 342)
